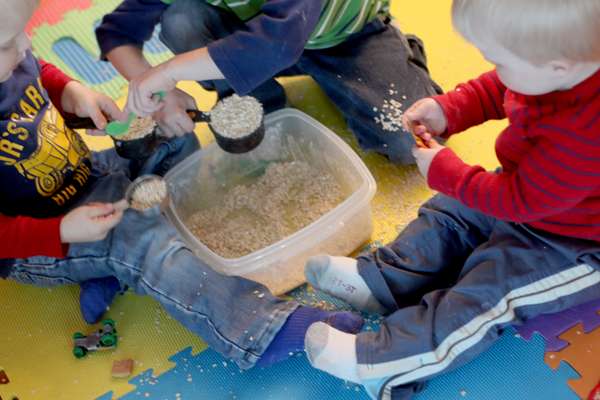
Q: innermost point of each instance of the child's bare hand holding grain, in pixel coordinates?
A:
(85, 102)
(91, 222)
(425, 155)
(172, 118)
(425, 119)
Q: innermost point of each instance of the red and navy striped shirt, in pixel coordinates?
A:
(550, 156)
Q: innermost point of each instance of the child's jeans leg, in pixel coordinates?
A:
(373, 66)
(427, 255)
(96, 295)
(170, 152)
(515, 275)
(191, 24)
(235, 316)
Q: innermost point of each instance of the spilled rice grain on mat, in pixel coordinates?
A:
(288, 197)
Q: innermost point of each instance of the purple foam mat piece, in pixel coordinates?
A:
(551, 326)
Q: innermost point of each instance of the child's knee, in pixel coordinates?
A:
(185, 25)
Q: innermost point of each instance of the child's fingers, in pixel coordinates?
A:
(111, 220)
(185, 123)
(420, 142)
(410, 120)
(190, 103)
(433, 144)
(177, 124)
(144, 105)
(98, 210)
(113, 111)
(121, 205)
(98, 118)
(420, 130)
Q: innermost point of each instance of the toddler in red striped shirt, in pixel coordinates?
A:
(492, 248)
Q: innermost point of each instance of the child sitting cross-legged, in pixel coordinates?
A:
(63, 219)
(492, 248)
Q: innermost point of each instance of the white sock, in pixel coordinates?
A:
(332, 351)
(339, 277)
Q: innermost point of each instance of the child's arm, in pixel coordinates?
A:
(554, 176)
(22, 237)
(71, 97)
(473, 103)
(129, 25)
(54, 81)
(121, 43)
(272, 41)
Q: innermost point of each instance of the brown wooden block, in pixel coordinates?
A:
(122, 368)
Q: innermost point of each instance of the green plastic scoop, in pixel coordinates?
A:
(119, 128)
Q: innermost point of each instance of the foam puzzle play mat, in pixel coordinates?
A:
(151, 356)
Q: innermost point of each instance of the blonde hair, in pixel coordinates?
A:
(539, 31)
(17, 13)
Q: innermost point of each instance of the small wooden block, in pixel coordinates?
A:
(122, 368)
(3, 378)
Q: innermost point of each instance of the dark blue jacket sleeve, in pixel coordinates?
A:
(271, 42)
(131, 23)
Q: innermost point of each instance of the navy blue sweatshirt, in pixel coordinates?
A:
(44, 166)
(271, 42)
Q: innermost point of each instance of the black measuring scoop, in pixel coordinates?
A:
(138, 148)
(144, 146)
(236, 145)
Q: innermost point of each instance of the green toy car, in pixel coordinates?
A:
(103, 339)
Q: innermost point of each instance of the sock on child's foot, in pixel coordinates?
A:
(332, 351)
(339, 277)
(95, 296)
(290, 338)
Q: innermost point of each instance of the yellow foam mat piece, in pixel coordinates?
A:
(37, 323)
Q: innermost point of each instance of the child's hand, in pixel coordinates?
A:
(172, 118)
(85, 102)
(425, 155)
(141, 98)
(91, 222)
(425, 119)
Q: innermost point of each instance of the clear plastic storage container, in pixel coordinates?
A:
(202, 179)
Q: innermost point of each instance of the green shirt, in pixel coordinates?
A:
(339, 18)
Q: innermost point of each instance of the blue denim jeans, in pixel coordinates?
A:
(357, 75)
(168, 153)
(235, 316)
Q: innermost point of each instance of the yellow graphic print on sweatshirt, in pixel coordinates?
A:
(59, 151)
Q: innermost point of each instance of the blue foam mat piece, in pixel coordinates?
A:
(511, 369)
(92, 70)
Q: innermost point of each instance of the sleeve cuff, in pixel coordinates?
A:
(54, 81)
(46, 232)
(218, 51)
(446, 171)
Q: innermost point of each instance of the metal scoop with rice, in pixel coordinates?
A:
(237, 122)
(146, 192)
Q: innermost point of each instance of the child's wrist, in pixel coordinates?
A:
(68, 98)
(175, 70)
